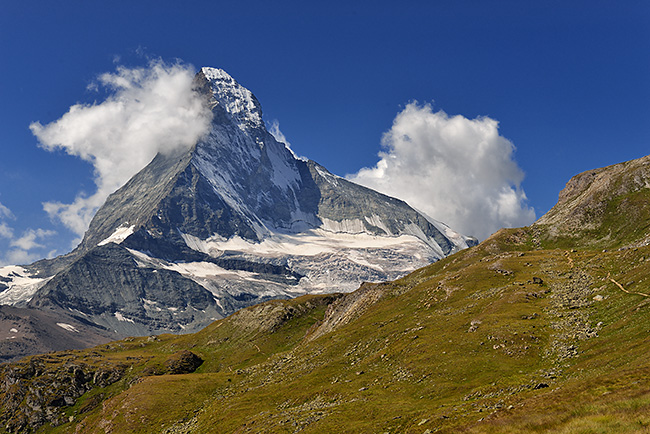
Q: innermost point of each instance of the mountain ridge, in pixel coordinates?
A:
(233, 220)
(582, 208)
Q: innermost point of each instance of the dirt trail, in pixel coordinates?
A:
(625, 290)
(569, 258)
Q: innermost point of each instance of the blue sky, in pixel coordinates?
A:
(567, 82)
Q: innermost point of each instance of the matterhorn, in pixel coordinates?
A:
(234, 220)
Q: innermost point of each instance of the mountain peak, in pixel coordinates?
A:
(233, 221)
(230, 99)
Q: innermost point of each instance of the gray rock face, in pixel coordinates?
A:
(232, 221)
(107, 287)
(239, 181)
(36, 390)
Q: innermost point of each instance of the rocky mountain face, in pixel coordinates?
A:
(529, 331)
(233, 221)
(606, 206)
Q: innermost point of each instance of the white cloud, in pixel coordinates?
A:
(28, 240)
(456, 170)
(5, 212)
(6, 231)
(149, 110)
(20, 257)
(23, 247)
(21, 251)
(274, 129)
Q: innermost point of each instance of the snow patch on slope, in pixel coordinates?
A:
(309, 243)
(375, 220)
(347, 226)
(122, 318)
(21, 285)
(67, 327)
(329, 261)
(216, 279)
(332, 179)
(120, 234)
(284, 176)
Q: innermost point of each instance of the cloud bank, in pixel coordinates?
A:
(457, 170)
(149, 110)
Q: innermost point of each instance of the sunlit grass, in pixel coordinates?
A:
(465, 345)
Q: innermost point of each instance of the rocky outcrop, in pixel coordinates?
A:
(33, 391)
(588, 201)
(183, 362)
(268, 317)
(349, 307)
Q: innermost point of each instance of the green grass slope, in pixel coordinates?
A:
(534, 330)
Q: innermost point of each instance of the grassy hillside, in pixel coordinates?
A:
(499, 338)
(531, 331)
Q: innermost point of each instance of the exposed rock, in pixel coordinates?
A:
(583, 203)
(570, 295)
(349, 307)
(268, 317)
(183, 362)
(33, 393)
(108, 287)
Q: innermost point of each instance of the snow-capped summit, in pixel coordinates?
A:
(242, 161)
(226, 95)
(232, 221)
